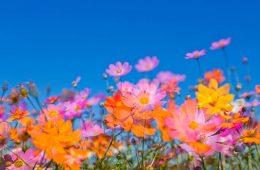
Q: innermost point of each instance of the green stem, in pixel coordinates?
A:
(249, 158)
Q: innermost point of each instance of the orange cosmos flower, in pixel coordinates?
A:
(160, 115)
(18, 113)
(126, 117)
(251, 135)
(216, 100)
(257, 89)
(55, 137)
(234, 120)
(4, 133)
(99, 144)
(216, 74)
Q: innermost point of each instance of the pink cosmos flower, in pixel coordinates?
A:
(95, 100)
(25, 161)
(145, 95)
(254, 103)
(195, 54)
(247, 95)
(220, 44)
(125, 86)
(194, 128)
(119, 69)
(70, 110)
(147, 64)
(165, 76)
(89, 129)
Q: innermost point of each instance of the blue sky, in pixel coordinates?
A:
(52, 42)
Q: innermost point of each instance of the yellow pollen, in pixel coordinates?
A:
(144, 100)
(19, 163)
(53, 114)
(119, 71)
(193, 125)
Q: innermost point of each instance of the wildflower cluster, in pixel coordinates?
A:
(147, 124)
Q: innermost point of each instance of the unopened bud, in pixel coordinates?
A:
(104, 75)
(23, 92)
(5, 86)
(245, 60)
(238, 87)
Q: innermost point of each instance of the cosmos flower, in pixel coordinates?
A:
(88, 129)
(147, 64)
(5, 132)
(220, 44)
(18, 112)
(165, 76)
(216, 74)
(216, 100)
(145, 95)
(125, 87)
(195, 54)
(54, 137)
(192, 126)
(118, 69)
(251, 135)
(23, 160)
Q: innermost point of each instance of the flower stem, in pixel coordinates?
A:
(249, 158)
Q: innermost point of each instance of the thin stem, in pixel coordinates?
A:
(249, 158)
(30, 101)
(203, 163)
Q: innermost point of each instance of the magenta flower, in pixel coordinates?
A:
(220, 44)
(147, 64)
(195, 54)
(119, 69)
(89, 129)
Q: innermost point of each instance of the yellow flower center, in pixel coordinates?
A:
(193, 125)
(144, 100)
(118, 104)
(119, 71)
(19, 163)
(53, 114)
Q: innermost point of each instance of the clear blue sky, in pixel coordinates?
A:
(51, 42)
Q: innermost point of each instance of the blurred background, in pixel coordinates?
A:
(53, 42)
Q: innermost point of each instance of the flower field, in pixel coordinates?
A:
(146, 124)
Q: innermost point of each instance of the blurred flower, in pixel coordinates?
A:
(51, 99)
(23, 160)
(18, 112)
(89, 129)
(244, 60)
(54, 137)
(257, 89)
(125, 87)
(220, 44)
(165, 76)
(119, 69)
(251, 135)
(216, 74)
(195, 54)
(75, 82)
(5, 129)
(247, 95)
(147, 64)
